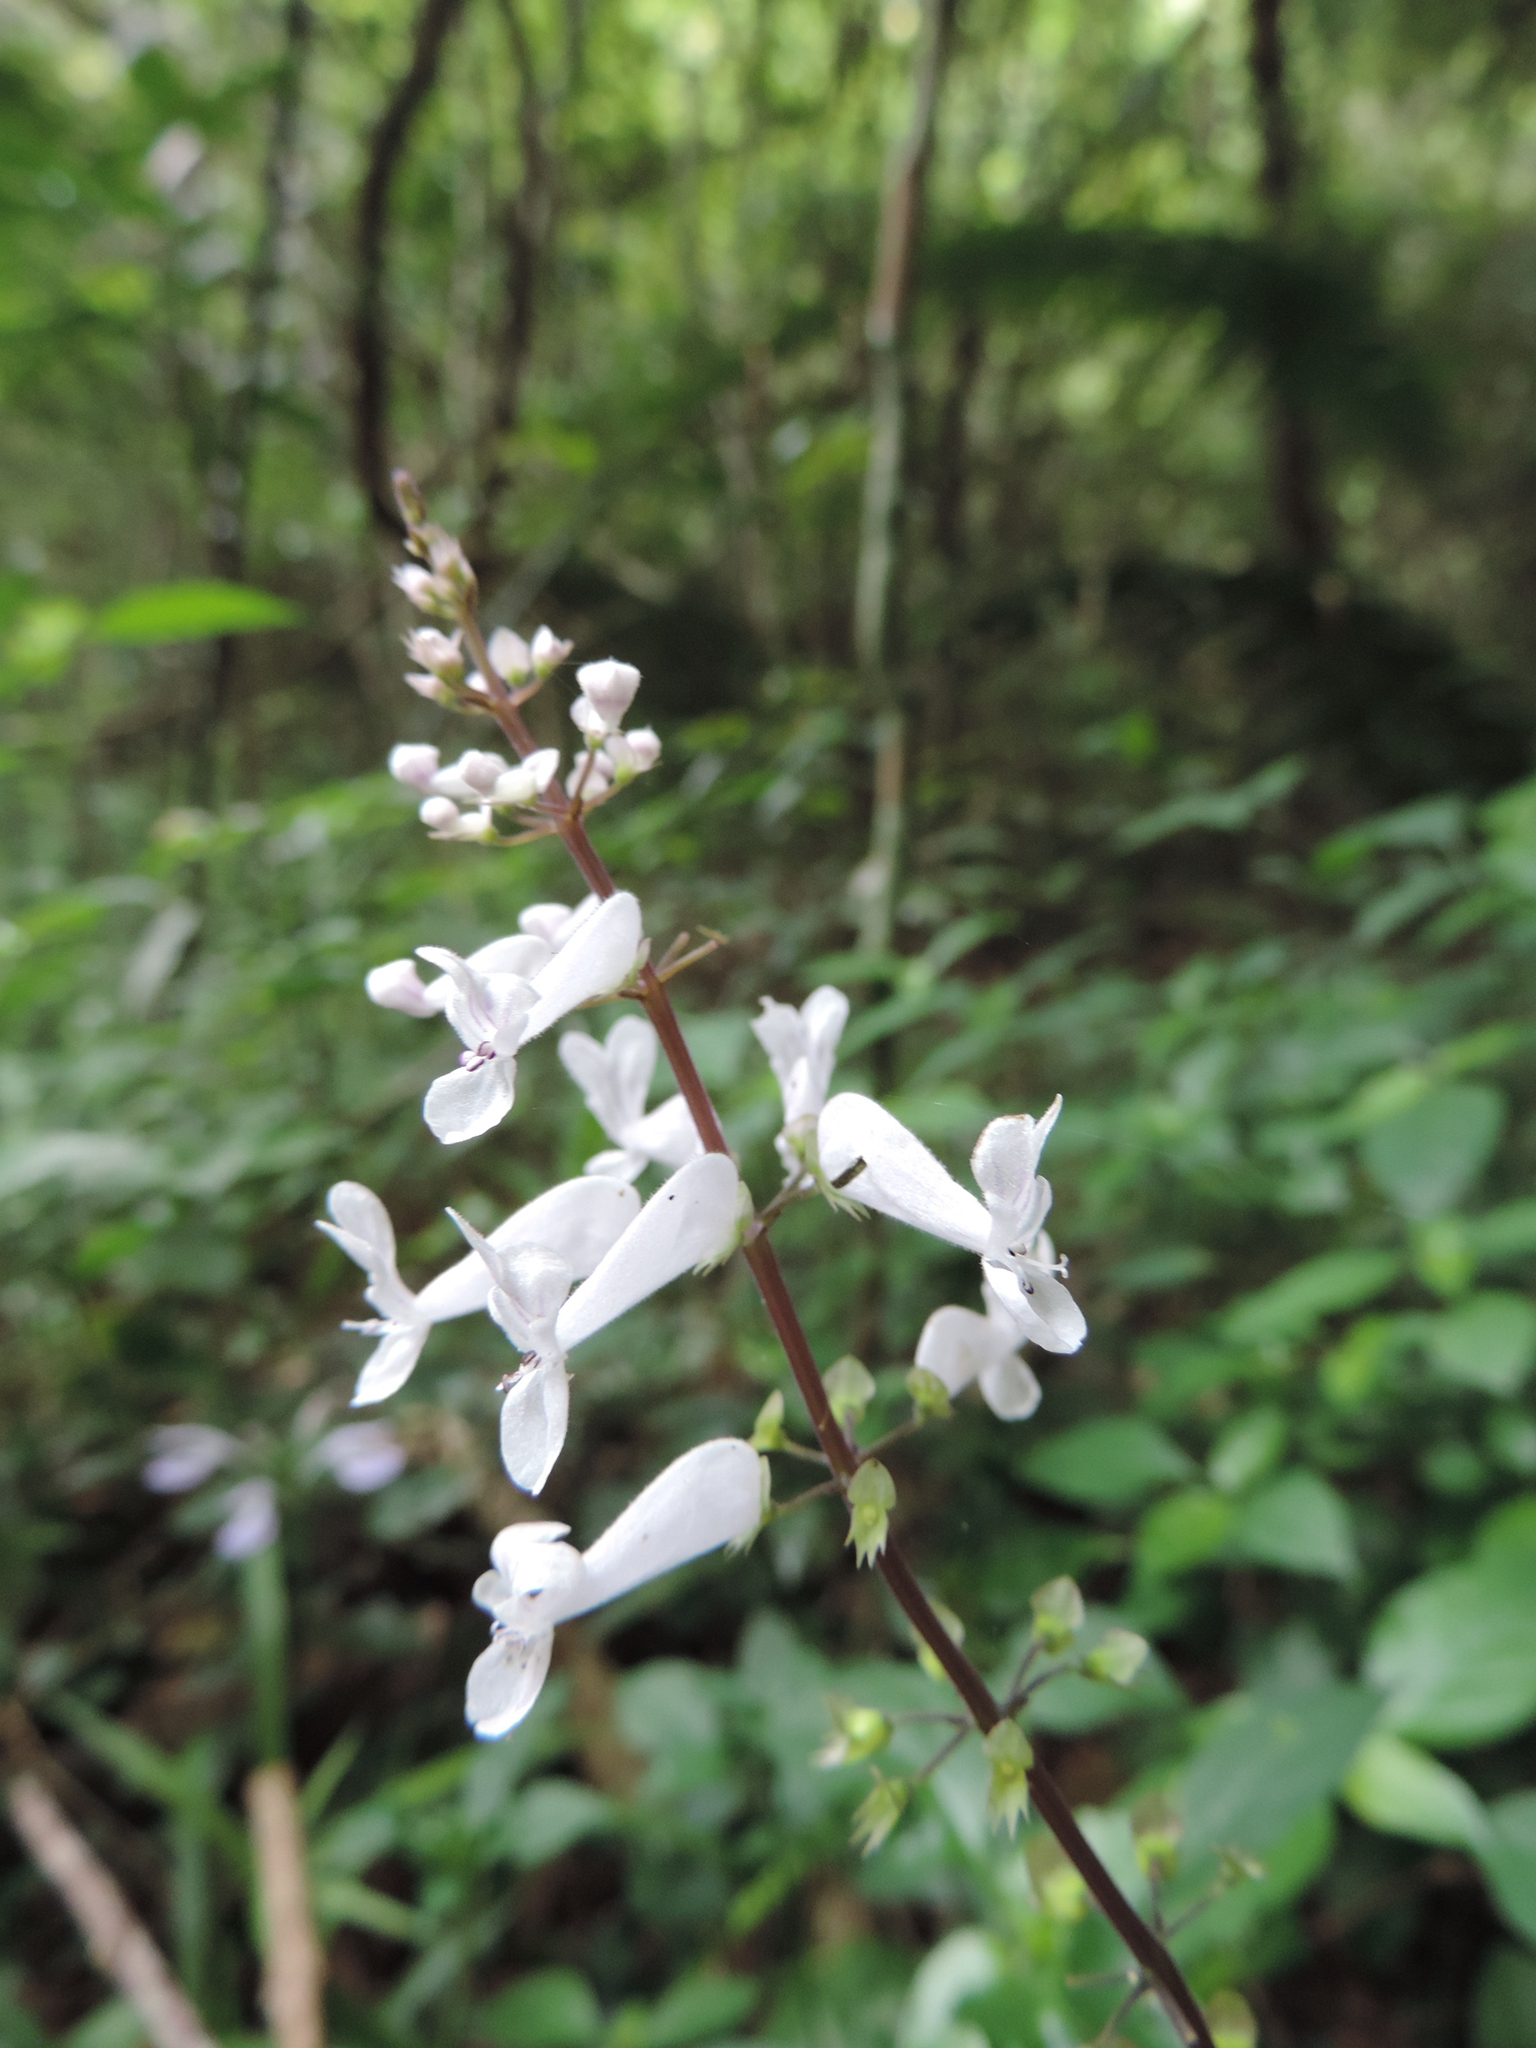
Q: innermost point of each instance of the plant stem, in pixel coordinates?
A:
(266, 1640)
(841, 1455)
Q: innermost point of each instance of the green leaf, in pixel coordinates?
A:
(552, 1814)
(347, 1902)
(1292, 1306)
(113, 2024)
(545, 2009)
(699, 2005)
(1267, 1759)
(1488, 1342)
(1296, 1523)
(1425, 1158)
(1110, 1463)
(202, 608)
(1186, 1529)
(1402, 1790)
(1508, 1859)
(1247, 1448)
(1455, 1650)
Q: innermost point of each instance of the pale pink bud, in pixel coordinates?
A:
(440, 653)
(510, 656)
(608, 688)
(398, 986)
(478, 771)
(440, 815)
(547, 651)
(427, 592)
(632, 753)
(433, 688)
(415, 766)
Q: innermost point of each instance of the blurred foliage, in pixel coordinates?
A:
(1235, 849)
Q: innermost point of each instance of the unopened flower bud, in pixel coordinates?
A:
(415, 766)
(527, 782)
(413, 509)
(1009, 1754)
(858, 1732)
(1117, 1657)
(479, 771)
(930, 1396)
(768, 1430)
(607, 691)
(476, 827)
(398, 986)
(548, 652)
(590, 777)
(632, 753)
(879, 1812)
(871, 1496)
(1058, 1609)
(429, 593)
(433, 688)
(952, 1626)
(439, 653)
(850, 1389)
(440, 815)
(449, 562)
(510, 654)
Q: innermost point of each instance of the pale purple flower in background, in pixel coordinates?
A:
(184, 1454)
(709, 1497)
(250, 1519)
(360, 1456)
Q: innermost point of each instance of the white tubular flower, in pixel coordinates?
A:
(706, 1498)
(527, 782)
(579, 1220)
(802, 1048)
(900, 1177)
(433, 688)
(360, 1456)
(495, 1013)
(440, 654)
(607, 691)
(416, 767)
(548, 652)
(615, 1078)
(250, 1519)
(690, 1221)
(431, 594)
(441, 816)
(472, 778)
(958, 1346)
(184, 1454)
(397, 985)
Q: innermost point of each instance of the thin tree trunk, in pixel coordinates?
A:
(293, 1972)
(1295, 483)
(370, 330)
(874, 882)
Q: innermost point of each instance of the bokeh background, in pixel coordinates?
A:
(1210, 636)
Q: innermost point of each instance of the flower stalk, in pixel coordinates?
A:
(564, 814)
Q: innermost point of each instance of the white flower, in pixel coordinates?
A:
(433, 688)
(629, 754)
(511, 656)
(690, 1221)
(442, 817)
(431, 594)
(495, 1013)
(184, 1454)
(958, 1346)
(472, 778)
(708, 1497)
(548, 651)
(900, 1177)
(527, 782)
(615, 1078)
(250, 1519)
(607, 691)
(802, 1047)
(591, 777)
(361, 1456)
(555, 923)
(415, 766)
(397, 985)
(440, 654)
(579, 1220)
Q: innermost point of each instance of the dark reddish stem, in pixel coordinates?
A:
(1051, 1804)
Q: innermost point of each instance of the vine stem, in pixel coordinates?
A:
(1050, 1802)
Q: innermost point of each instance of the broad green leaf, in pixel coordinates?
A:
(1508, 1232)
(1488, 1341)
(552, 1814)
(1402, 1790)
(347, 1902)
(1110, 1463)
(1188, 1528)
(1247, 1448)
(1455, 1650)
(697, 2006)
(1292, 1306)
(545, 2009)
(41, 639)
(1508, 1859)
(1296, 1523)
(1427, 1157)
(201, 608)
(1268, 1759)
